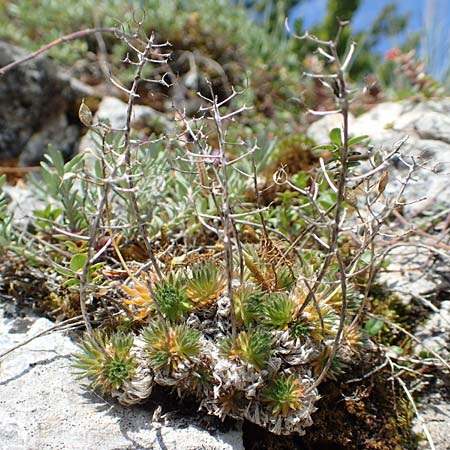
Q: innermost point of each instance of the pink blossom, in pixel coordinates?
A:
(392, 54)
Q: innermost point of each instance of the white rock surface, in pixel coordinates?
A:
(319, 131)
(434, 407)
(435, 413)
(377, 120)
(435, 333)
(427, 125)
(43, 406)
(404, 276)
(114, 111)
(22, 203)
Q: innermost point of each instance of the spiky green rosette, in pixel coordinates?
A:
(242, 377)
(175, 354)
(106, 361)
(206, 283)
(172, 298)
(112, 364)
(266, 374)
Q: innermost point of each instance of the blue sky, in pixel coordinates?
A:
(432, 15)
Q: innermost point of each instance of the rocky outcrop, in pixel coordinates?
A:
(39, 106)
(43, 405)
(113, 111)
(36, 103)
(426, 125)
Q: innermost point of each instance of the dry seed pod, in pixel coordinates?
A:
(350, 197)
(85, 114)
(383, 182)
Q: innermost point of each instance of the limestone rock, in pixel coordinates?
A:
(434, 333)
(404, 277)
(22, 203)
(114, 111)
(43, 406)
(427, 125)
(378, 120)
(319, 131)
(34, 102)
(435, 413)
(409, 275)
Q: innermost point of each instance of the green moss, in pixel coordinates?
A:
(406, 315)
(370, 414)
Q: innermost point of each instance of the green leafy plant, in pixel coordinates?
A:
(275, 312)
(205, 285)
(47, 216)
(75, 266)
(167, 347)
(172, 298)
(106, 361)
(248, 303)
(279, 311)
(252, 347)
(61, 186)
(284, 394)
(299, 329)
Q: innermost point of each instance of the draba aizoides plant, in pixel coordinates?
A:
(221, 304)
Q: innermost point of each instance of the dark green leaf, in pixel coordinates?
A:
(63, 271)
(336, 137)
(330, 147)
(396, 349)
(71, 282)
